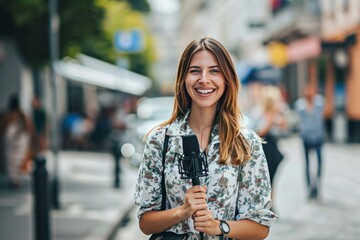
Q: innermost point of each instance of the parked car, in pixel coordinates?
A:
(150, 113)
(153, 111)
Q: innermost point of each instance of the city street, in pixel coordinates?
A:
(335, 216)
(90, 88)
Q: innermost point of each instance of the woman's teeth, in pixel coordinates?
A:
(205, 91)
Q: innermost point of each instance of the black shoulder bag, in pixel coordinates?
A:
(166, 235)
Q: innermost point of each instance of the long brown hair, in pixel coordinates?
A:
(234, 149)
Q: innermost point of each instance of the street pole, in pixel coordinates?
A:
(54, 56)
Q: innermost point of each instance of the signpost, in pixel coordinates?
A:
(54, 56)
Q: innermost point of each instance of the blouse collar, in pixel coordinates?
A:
(180, 127)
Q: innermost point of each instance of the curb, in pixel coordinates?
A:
(107, 230)
(120, 223)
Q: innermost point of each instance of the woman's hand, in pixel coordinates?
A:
(195, 200)
(205, 222)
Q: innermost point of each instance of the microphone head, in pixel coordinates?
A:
(190, 145)
(192, 164)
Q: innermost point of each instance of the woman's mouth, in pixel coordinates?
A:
(205, 91)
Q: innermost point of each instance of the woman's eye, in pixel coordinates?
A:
(194, 71)
(214, 71)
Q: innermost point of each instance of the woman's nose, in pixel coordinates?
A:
(204, 77)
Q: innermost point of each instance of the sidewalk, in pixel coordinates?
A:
(90, 207)
(336, 215)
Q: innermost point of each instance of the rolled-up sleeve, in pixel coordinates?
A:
(254, 201)
(148, 186)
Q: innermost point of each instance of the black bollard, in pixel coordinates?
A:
(41, 200)
(117, 170)
(116, 152)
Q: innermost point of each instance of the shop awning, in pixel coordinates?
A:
(262, 74)
(95, 72)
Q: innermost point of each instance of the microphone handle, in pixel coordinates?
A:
(195, 181)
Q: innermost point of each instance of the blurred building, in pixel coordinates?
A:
(237, 24)
(320, 39)
(309, 41)
(294, 28)
(341, 43)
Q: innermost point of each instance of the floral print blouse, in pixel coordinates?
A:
(246, 187)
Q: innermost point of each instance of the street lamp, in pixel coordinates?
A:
(54, 56)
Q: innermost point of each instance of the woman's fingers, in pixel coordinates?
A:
(197, 189)
(202, 214)
(204, 221)
(197, 195)
(195, 200)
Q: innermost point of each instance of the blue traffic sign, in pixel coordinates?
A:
(129, 41)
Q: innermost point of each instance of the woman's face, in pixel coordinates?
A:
(204, 80)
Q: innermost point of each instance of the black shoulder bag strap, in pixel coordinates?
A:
(238, 195)
(239, 188)
(163, 189)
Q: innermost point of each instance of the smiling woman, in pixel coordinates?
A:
(233, 200)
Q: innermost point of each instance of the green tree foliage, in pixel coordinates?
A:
(23, 11)
(86, 26)
(27, 22)
(81, 25)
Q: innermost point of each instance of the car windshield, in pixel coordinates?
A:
(155, 108)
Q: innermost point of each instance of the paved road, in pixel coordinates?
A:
(335, 217)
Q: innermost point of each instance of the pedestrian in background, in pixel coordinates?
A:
(268, 120)
(102, 128)
(233, 201)
(17, 134)
(310, 108)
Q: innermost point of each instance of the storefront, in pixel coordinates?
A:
(340, 34)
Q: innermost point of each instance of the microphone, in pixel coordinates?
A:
(192, 164)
